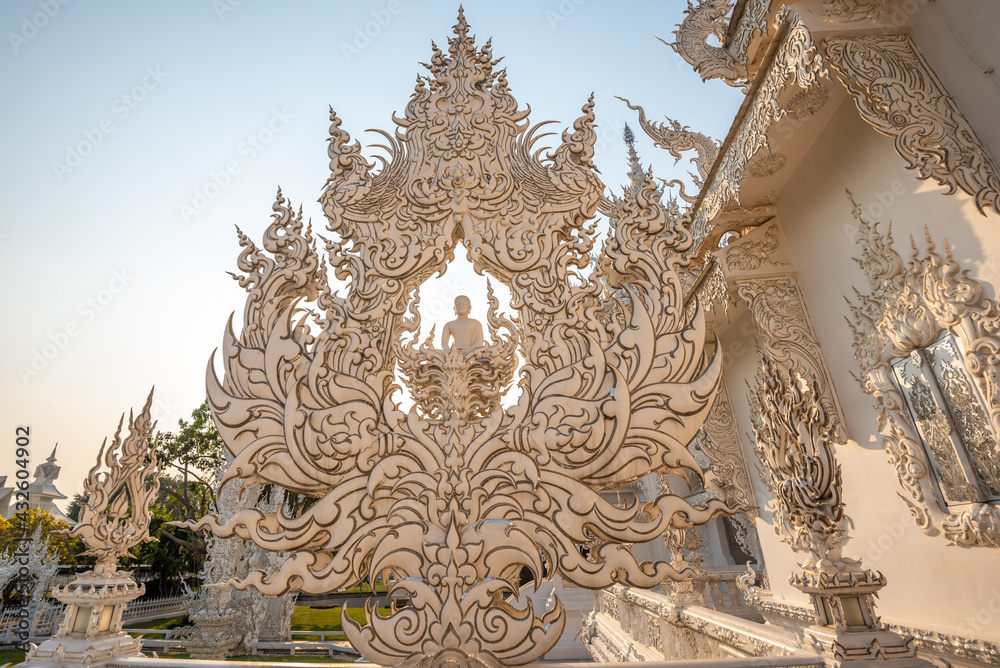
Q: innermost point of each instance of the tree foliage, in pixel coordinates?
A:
(25, 522)
(192, 456)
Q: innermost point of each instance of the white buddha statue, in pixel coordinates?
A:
(464, 333)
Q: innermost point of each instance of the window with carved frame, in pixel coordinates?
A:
(927, 342)
(950, 415)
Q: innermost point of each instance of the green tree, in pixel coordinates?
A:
(186, 494)
(75, 504)
(25, 522)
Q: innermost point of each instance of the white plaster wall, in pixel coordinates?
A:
(930, 584)
(959, 40)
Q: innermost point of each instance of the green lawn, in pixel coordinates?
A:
(173, 622)
(290, 659)
(325, 619)
(365, 588)
(11, 656)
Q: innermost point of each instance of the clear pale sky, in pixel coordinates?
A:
(115, 240)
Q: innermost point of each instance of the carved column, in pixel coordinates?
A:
(760, 267)
(794, 436)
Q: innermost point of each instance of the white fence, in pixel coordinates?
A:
(146, 609)
(45, 622)
(47, 616)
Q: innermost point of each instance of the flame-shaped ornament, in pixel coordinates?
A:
(450, 502)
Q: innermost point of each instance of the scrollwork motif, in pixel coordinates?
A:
(116, 515)
(676, 139)
(909, 307)
(751, 255)
(753, 22)
(794, 438)
(797, 60)
(720, 441)
(451, 500)
(787, 335)
(899, 95)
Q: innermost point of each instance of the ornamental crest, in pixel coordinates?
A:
(449, 501)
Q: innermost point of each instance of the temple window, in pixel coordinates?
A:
(951, 418)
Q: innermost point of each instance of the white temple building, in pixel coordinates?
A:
(42, 492)
(853, 214)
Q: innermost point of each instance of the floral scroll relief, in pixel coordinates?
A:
(720, 441)
(899, 95)
(452, 504)
(752, 23)
(794, 437)
(908, 307)
(787, 335)
(751, 255)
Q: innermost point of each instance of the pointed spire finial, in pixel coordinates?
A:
(635, 173)
(461, 28)
(628, 136)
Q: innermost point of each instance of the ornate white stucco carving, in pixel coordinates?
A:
(946, 643)
(787, 335)
(630, 625)
(702, 21)
(226, 621)
(753, 254)
(899, 95)
(720, 441)
(808, 102)
(766, 164)
(455, 507)
(35, 563)
(758, 598)
(467, 385)
(676, 139)
(745, 533)
(794, 439)
(794, 436)
(114, 518)
(797, 60)
(851, 11)
(908, 307)
(42, 564)
(752, 22)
